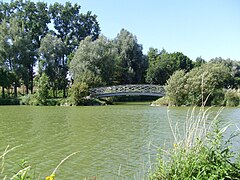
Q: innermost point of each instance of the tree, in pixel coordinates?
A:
(14, 51)
(93, 62)
(131, 64)
(199, 86)
(72, 26)
(51, 62)
(176, 88)
(78, 93)
(32, 19)
(234, 67)
(42, 89)
(162, 65)
(4, 54)
(24, 24)
(199, 61)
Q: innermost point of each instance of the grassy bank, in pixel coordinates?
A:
(33, 101)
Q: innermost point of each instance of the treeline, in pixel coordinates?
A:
(35, 35)
(53, 51)
(216, 82)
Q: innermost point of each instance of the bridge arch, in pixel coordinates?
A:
(128, 90)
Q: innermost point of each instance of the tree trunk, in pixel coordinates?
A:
(31, 79)
(3, 92)
(15, 90)
(27, 89)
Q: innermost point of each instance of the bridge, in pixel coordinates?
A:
(128, 90)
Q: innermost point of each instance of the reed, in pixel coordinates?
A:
(199, 152)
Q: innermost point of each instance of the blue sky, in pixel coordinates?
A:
(206, 28)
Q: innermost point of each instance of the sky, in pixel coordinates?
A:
(206, 28)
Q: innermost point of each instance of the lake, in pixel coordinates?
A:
(115, 142)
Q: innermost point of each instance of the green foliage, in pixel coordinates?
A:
(130, 62)
(199, 86)
(202, 153)
(162, 65)
(163, 101)
(53, 63)
(176, 89)
(199, 61)
(211, 159)
(27, 99)
(12, 53)
(93, 63)
(218, 98)
(9, 101)
(105, 62)
(234, 67)
(79, 92)
(42, 90)
(24, 25)
(72, 26)
(232, 97)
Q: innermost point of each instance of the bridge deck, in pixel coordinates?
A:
(128, 90)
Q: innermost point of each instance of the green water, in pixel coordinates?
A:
(115, 142)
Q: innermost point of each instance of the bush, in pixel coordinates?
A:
(218, 98)
(232, 97)
(199, 86)
(9, 101)
(27, 99)
(201, 154)
(42, 90)
(79, 92)
(176, 89)
(163, 101)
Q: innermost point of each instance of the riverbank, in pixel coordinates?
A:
(228, 98)
(32, 101)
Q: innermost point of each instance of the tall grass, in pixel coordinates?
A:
(199, 152)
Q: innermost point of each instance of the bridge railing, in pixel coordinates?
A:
(129, 88)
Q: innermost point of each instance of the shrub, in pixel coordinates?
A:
(163, 101)
(27, 99)
(218, 98)
(201, 154)
(79, 92)
(176, 89)
(199, 86)
(9, 101)
(42, 90)
(232, 97)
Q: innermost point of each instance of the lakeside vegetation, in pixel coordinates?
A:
(201, 152)
(209, 84)
(52, 54)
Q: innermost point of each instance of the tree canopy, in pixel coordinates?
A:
(162, 65)
(25, 40)
(199, 86)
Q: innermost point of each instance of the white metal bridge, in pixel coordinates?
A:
(128, 90)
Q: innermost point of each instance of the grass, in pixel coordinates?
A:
(200, 152)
